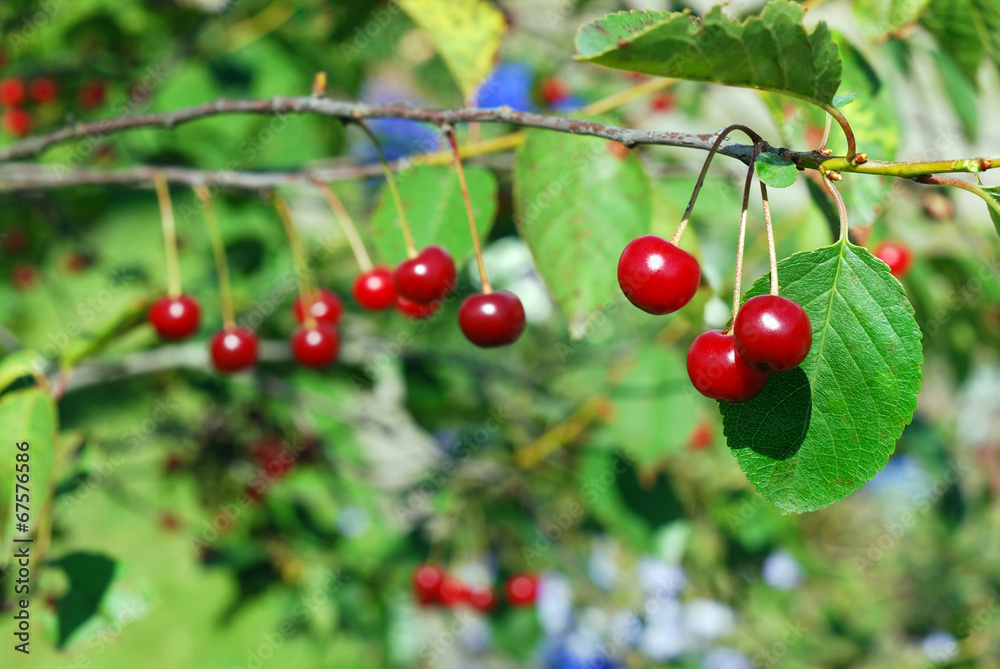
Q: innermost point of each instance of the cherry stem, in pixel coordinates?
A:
(725, 132)
(846, 127)
(826, 133)
(841, 207)
(483, 278)
(347, 225)
(738, 282)
(299, 258)
(771, 255)
(169, 236)
(221, 264)
(390, 180)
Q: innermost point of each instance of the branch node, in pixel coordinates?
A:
(834, 175)
(859, 159)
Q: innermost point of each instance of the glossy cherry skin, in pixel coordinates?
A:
(427, 581)
(234, 350)
(452, 592)
(43, 90)
(175, 318)
(317, 347)
(522, 589)
(492, 319)
(16, 122)
(428, 277)
(12, 92)
(482, 599)
(717, 371)
(327, 308)
(772, 333)
(897, 256)
(417, 312)
(375, 289)
(656, 276)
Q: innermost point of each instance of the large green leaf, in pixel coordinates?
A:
(994, 207)
(772, 51)
(880, 18)
(89, 576)
(968, 30)
(26, 416)
(436, 211)
(18, 365)
(821, 431)
(577, 206)
(961, 92)
(466, 33)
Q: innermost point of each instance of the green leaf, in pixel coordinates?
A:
(880, 18)
(26, 416)
(435, 209)
(775, 170)
(577, 205)
(994, 194)
(18, 365)
(817, 433)
(89, 576)
(772, 51)
(961, 92)
(130, 317)
(466, 33)
(841, 101)
(967, 30)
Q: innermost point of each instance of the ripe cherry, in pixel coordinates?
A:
(175, 318)
(427, 581)
(43, 90)
(772, 333)
(522, 589)
(417, 312)
(554, 90)
(701, 437)
(452, 592)
(91, 94)
(327, 308)
(234, 350)
(897, 256)
(661, 102)
(657, 276)
(718, 372)
(23, 276)
(482, 599)
(272, 457)
(16, 122)
(12, 92)
(317, 347)
(492, 319)
(428, 277)
(375, 289)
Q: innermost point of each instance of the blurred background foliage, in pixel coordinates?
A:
(277, 517)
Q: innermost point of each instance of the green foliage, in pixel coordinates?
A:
(89, 576)
(771, 52)
(968, 30)
(881, 18)
(819, 432)
(28, 416)
(775, 170)
(569, 217)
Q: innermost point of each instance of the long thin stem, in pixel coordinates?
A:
(675, 240)
(347, 225)
(848, 132)
(826, 133)
(390, 180)
(741, 244)
(841, 207)
(771, 255)
(299, 258)
(476, 245)
(221, 263)
(169, 236)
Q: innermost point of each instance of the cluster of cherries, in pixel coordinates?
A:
(434, 586)
(416, 288)
(16, 95)
(770, 333)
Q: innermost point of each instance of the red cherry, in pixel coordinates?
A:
(417, 312)
(317, 347)
(491, 319)
(772, 333)
(522, 590)
(482, 599)
(12, 92)
(15, 241)
(175, 317)
(428, 277)
(375, 289)
(657, 276)
(233, 350)
(554, 90)
(427, 581)
(16, 122)
(897, 256)
(43, 90)
(452, 592)
(23, 276)
(326, 309)
(618, 150)
(662, 102)
(701, 437)
(91, 94)
(718, 372)
(271, 456)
